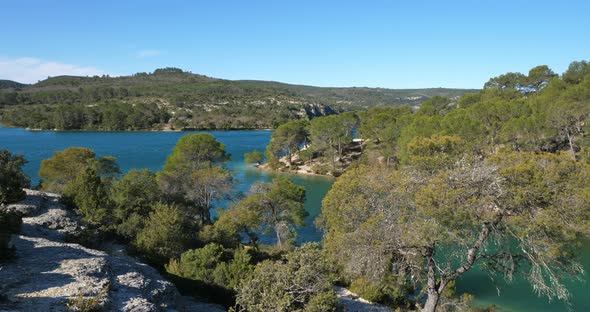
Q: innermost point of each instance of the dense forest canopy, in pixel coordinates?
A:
(170, 98)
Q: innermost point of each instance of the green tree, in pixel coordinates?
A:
(287, 139)
(91, 199)
(233, 227)
(279, 206)
(65, 165)
(514, 213)
(253, 157)
(195, 151)
(12, 178)
(208, 186)
(133, 196)
(191, 176)
(166, 234)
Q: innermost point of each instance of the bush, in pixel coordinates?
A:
(9, 223)
(366, 290)
(12, 179)
(213, 264)
(165, 234)
(302, 281)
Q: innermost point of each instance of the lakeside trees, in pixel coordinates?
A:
(494, 181)
(498, 179)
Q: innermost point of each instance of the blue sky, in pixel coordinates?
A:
(392, 44)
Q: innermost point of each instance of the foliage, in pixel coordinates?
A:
(278, 206)
(90, 197)
(191, 176)
(183, 100)
(166, 234)
(514, 213)
(195, 151)
(10, 223)
(132, 196)
(302, 282)
(65, 165)
(253, 157)
(287, 139)
(213, 264)
(12, 178)
(234, 226)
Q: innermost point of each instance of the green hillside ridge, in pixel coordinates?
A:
(170, 98)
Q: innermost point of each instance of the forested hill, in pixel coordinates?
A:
(9, 84)
(172, 98)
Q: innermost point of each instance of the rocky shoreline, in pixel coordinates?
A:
(49, 274)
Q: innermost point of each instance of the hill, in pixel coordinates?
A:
(9, 84)
(175, 99)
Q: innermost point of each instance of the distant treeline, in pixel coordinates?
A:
(188, 100)
(108, 116)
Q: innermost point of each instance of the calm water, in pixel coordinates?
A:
(149, 150)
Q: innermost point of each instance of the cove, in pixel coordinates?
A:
(149, 150)
(145, 149)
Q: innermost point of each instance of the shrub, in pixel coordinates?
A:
(12, 179)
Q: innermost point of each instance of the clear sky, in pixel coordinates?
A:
(392, 44)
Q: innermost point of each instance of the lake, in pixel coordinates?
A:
(149, 150)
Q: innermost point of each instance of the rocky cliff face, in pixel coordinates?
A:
(311, 111)
(49, 274)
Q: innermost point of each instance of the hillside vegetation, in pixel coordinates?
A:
(170, 98)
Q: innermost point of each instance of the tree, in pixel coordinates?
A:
(279, 207)
(195, 151)
(234, 226)
(576, 72)
(165, 234)
(133, 196)
(65, 165)
(191, 177)
(12, 178)
(302, 282)
(208, 186)
(287, 139)
(437, 105)
(513, 213)
(253, 157)
(90, 198)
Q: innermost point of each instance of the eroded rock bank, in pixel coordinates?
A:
(49, 274)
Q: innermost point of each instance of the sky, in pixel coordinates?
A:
(389, 44)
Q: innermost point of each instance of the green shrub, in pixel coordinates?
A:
(366, 290)
(213, 264)
(9, 223)
(12, 179)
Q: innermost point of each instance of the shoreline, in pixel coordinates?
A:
(264, 167)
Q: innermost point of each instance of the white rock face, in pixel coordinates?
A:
(351, 302)
(48, 272)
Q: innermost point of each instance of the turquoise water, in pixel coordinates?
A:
(149, 150)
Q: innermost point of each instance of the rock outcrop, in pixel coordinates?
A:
(316, 110)
(49, 274)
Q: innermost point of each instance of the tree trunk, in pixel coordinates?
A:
(571, 142)
(278, 232)
(431, 302)
(433, 289)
